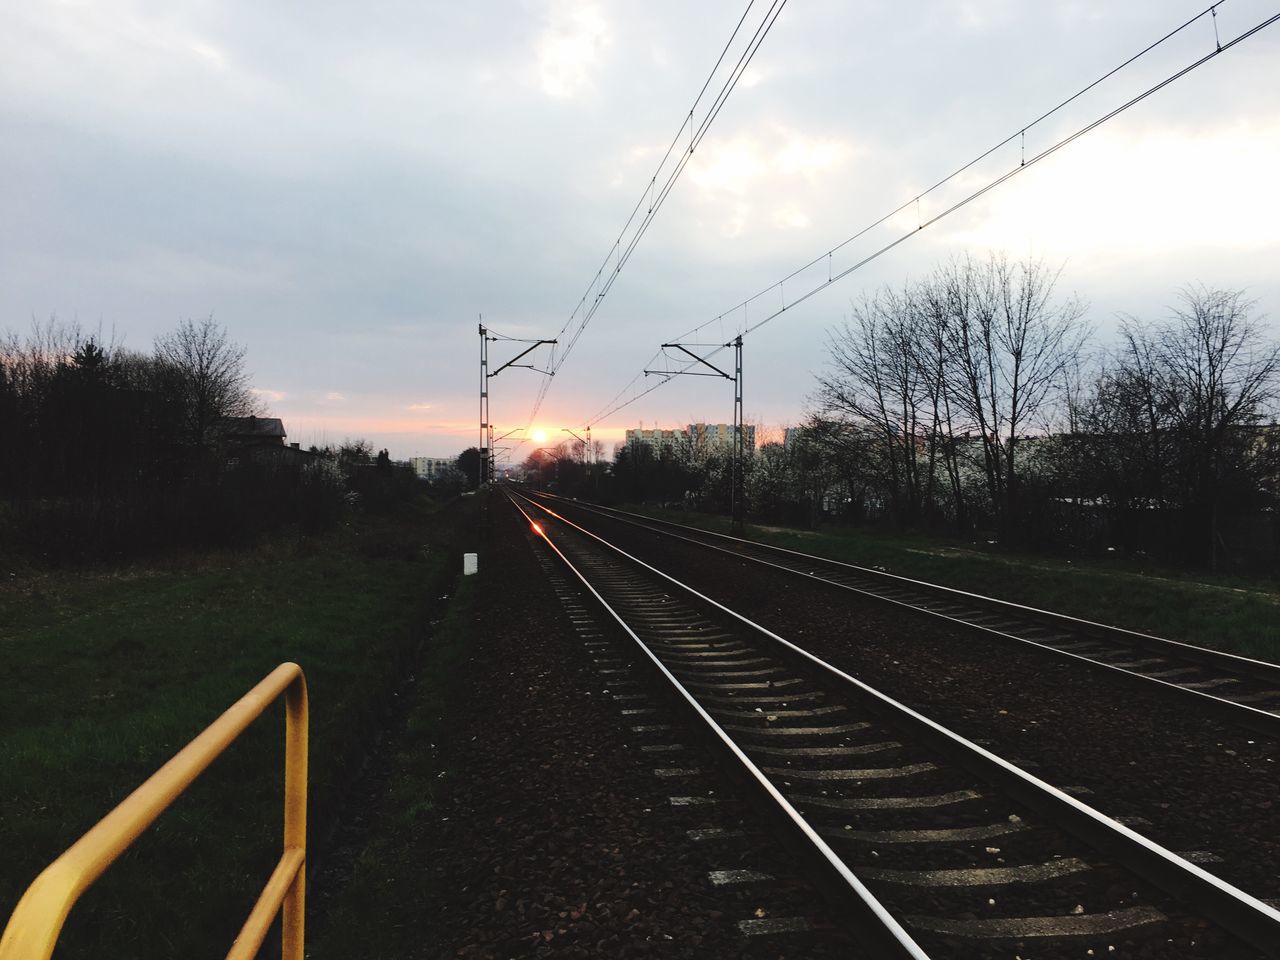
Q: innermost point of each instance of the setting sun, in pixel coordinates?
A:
(539, 436)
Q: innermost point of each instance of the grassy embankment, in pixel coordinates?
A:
(1227, 613)
(367, 916)
(105, 675)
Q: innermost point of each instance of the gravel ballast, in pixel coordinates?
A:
(550, 833)
(1190, 783)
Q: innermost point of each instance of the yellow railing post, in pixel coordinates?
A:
(295, 818)
(285, 892)
(32, 931)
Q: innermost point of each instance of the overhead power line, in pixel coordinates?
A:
(618, 403)
(657, 190)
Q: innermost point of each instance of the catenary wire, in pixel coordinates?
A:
(617, 253)
(648, 191)
(695, 139)
(743, 62)
(915, 200)
(614, 405)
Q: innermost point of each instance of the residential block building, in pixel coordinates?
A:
(694, 437)
(432, 468)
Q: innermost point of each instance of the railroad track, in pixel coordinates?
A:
(1237, 689)
(928, 844)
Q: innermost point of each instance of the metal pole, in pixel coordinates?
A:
(595, 470)
(484, 406)
(739, 428)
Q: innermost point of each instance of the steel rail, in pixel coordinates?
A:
(876, 927)
(1238, 912)
(1258, 720)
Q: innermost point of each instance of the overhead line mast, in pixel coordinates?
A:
(737, 441)
(486, 424)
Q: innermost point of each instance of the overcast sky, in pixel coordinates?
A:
(347, 187)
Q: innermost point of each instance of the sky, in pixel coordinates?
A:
(350, 188)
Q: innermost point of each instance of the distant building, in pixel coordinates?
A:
(655, 438)
(279, 456)
(790, 435)
(707, 436)
(260, 440)
(252, 431)
(694, 437)
(433, 468)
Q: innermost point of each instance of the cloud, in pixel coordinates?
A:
(1160, 190)
(271, 396)
(810, 157)
(341, 189)
(790, 217)
(570, 49)
(745, 163)
(747, 182)
(373, 428)
(970, 17)
(211, 54)
(729, 166)
(753, 76)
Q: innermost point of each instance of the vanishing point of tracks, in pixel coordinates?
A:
(926, 845)
(1227, 687)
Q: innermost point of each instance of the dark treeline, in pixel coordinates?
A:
(970, 403)
(108, 453)
(681, 474)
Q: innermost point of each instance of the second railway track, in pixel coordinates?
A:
(933, 846)
(1231, 688)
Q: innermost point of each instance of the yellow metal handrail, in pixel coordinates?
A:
(33, 929)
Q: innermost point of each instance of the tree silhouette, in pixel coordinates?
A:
(206, 378)
(469, 463)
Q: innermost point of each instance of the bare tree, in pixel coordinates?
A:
(850, 457)
(1124, 426)
(875, 377)
(1175, 420)
(1010, 343)
(1217, 378)
(931, 338)
(1220, 372)
(889, 371)
(206, 377)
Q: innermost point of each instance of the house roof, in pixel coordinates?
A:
(253, 426)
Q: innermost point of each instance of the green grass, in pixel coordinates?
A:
(1227, 613)
(371, 916)
(107, 674)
